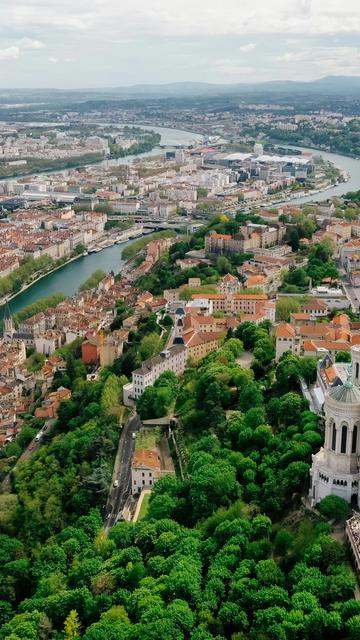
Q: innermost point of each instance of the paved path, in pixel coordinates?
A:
(307, 395)
(245, 359)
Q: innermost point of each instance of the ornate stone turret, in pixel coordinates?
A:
(335, 467)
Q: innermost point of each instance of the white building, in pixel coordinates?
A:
(145, 469)
(258, 149)
(47, 342)
(125, 207)
(229, 284)
(335, 468)
(172, 359)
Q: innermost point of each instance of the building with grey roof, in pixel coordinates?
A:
(171, 359)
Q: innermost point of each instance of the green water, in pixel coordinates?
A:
(69, 278)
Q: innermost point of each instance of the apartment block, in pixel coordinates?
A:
(172, 359)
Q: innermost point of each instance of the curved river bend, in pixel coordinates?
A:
(67, 279)
(350, 165)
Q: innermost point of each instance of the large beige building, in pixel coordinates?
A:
(249, 237)
(239, 303)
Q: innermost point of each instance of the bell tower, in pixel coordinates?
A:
(8, 332)
(335, 468)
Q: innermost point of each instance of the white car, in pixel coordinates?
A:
(116, 483)
(38, 437)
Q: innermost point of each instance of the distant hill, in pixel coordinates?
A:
(329, 85)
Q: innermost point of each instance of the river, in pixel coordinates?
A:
(71, 276)
(350, 165)
(68, 278)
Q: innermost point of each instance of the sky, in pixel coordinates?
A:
(109, 43)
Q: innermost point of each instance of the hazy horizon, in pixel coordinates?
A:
(169, 84)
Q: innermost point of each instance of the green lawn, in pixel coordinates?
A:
(144, 506)
(147, 438)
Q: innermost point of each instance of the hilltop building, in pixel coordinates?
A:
(335, 468)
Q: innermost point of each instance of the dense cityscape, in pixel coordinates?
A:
(180, 328)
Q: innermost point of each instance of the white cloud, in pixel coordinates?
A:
(246, 48)
(115, 42)
(28, 43)
(10, 53)
(15, 51)
(320, 60)
(203, 17)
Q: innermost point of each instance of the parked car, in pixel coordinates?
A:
(116, 483)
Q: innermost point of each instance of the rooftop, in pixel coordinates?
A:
(346, 393)
(148, 364)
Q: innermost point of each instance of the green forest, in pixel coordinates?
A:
(228, 552)
(147, 140)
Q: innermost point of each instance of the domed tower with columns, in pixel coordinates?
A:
(335, 468)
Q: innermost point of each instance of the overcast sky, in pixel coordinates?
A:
(99, 43)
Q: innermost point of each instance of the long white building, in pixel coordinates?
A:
(172, 359)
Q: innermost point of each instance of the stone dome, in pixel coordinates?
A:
(346, 393)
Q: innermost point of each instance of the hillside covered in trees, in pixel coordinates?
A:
(229, 552)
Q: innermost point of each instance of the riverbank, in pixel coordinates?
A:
(314, 148)
(40, 277)
(68, 277)
(131, 233)
(169, 138)
(35, 166)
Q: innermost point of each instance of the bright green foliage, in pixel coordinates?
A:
(111, 393)
(150, 345)
(334, 507)
(93, 280)
(285, 306)
(156, 400)
(72, 626)
(40, 305)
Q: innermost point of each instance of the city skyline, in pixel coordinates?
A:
(113, 45)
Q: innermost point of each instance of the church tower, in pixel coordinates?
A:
(8, 332)
(335, 468)
(179, 324)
